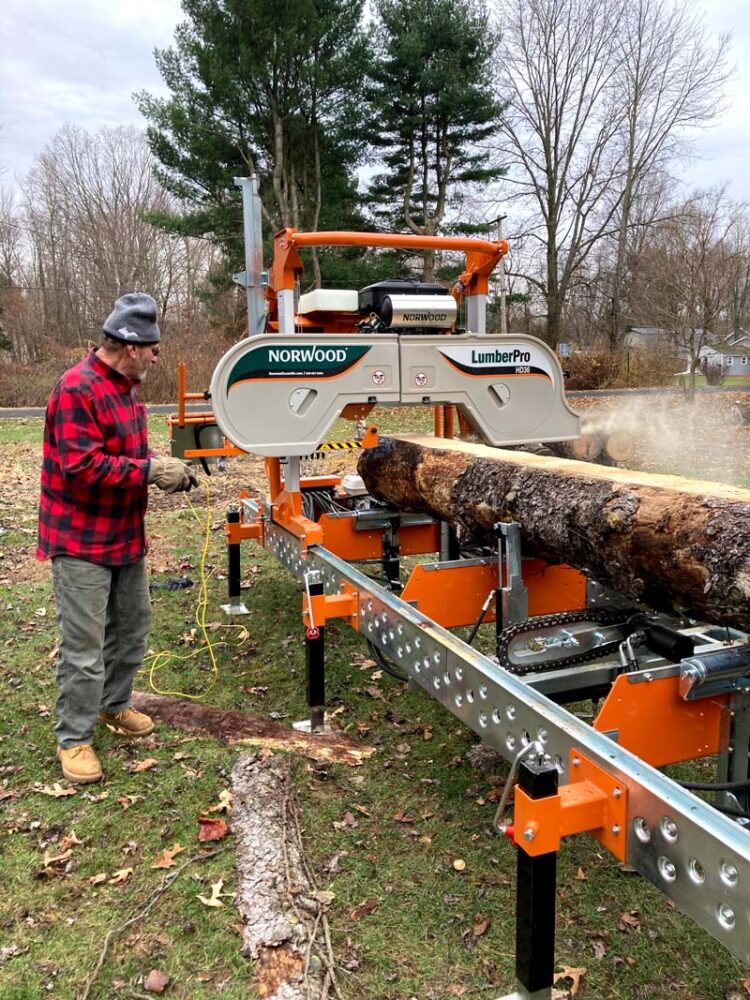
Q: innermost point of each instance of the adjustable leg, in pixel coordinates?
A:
(535, 899)
(391, 560)
(234, 576)
(315, 668)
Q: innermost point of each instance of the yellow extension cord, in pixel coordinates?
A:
(158, 661)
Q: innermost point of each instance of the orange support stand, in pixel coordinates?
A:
(453, 595)
(287, 512)
(650, 718)
(325, 607)
(593, 802)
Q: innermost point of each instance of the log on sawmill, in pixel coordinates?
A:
(671, 543)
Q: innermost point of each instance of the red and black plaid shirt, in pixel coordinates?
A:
(95, 467)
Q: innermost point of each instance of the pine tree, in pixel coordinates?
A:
(432, 106)
(259, 87)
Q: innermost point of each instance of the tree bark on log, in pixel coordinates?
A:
(672, 543)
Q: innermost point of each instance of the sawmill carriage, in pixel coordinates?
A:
(589, 574)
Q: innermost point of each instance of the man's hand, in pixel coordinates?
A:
(171, 475)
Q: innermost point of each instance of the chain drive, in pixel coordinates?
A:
(598, 616)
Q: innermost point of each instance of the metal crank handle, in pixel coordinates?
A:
(534, 747)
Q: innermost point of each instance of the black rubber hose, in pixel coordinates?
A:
(731, 811)
(482, 612)
(722, 786)
(390, 668)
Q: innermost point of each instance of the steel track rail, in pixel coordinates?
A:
(693, 854)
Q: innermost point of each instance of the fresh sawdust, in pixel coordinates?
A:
(236, 727)
(285, 925)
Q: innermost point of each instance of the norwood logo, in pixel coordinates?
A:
(309, 361)
(420, 317)
(498, 357)
(296, 355)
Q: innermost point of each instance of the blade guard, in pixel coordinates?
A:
(279, 394)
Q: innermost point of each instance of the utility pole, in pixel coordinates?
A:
(503, 314)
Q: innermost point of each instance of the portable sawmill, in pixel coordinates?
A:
(670, 689)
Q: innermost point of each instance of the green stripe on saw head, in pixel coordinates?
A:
(289, 360)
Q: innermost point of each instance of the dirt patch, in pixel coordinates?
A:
(19, 501)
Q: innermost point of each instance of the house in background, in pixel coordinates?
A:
(647, 338)
(736, 354)
(731, 356)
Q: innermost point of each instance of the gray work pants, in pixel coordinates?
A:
(104, 614)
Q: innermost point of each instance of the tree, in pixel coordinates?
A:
(602, 93)
(432, 107)
(260, 88)
(687, 274)
(79, 239)
(671, 80)
(11, 235)
(558, 131)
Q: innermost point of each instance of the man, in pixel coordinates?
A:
(95, 474)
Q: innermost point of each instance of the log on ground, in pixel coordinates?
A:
(672, 543)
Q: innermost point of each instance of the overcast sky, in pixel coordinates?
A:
(81, 60)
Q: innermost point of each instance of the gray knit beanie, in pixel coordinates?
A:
(133, 320)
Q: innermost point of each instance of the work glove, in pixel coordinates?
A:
(171, 475)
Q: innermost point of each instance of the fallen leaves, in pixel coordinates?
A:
(139, 766)
(70, 840)
(224, 804)
(126, 801)
(56, 791)
(212, 829)
(347, 821)
(53, 865)
(57, 864)
(166, 858)
(369, 906)
(631, 921)
(214, 900)
(402, 817)
(574, 975)
(99, 879)
(8, 951)
(120, 876)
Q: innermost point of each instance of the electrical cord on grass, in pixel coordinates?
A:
(165, 658)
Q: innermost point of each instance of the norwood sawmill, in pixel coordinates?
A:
(627, 588)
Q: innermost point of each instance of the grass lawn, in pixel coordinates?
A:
(428, 930)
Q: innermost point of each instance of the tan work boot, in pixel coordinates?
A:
(80, 764)
(128, 722)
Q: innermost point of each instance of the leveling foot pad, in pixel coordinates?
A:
(234, 609)
(311, 726)
(237, 727)
(282, 912)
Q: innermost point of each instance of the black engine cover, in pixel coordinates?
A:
(371, 298)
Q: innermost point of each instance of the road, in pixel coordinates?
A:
(38, 411)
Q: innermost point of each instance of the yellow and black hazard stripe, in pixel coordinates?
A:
(326, 447)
